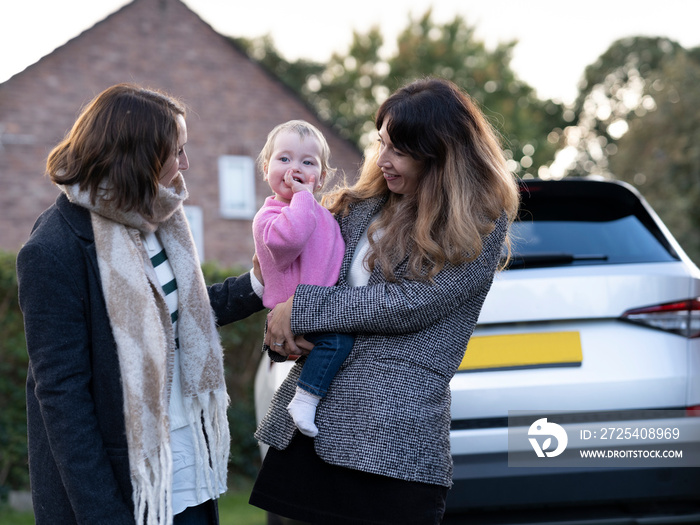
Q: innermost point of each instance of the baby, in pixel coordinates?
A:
(298, 241)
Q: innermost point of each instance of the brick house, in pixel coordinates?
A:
(233, 104)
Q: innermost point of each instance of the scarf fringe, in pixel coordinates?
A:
(210, 434)
(153, 488)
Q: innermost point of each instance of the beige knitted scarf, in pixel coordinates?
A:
(145, 343)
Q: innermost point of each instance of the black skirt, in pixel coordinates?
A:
(297, 484)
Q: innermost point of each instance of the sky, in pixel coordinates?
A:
(557, 39)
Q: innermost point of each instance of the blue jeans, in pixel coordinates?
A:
(330, 350)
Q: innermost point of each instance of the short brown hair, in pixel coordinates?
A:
(119, 143)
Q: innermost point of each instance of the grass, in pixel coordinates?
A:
(233, 509)
(11, 517)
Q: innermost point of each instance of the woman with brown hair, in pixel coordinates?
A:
(425, 228)
(126, 401)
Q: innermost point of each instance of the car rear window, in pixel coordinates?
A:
(585, 223)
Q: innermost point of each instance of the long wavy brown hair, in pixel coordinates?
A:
(120, 141)
(464, 188)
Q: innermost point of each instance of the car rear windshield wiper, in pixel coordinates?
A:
(539, 260)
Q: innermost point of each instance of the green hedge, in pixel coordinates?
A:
(13, 374)
(241, 341)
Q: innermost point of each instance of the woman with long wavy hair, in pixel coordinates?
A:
(425, 228)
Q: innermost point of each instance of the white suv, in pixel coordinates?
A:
(595, 326)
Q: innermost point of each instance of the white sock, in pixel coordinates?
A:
(303, 411)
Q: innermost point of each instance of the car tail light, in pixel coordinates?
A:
(693, 411)
(680, 317)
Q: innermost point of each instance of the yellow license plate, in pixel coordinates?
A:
(523, 351)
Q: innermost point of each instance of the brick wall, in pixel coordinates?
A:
(232, 102)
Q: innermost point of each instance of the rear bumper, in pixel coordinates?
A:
(484, 485)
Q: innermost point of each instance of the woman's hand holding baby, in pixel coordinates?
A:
(279, 335)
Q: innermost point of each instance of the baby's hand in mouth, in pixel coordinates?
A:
(297, 183)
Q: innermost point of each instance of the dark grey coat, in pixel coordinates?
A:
(78, 458)
(388, 410)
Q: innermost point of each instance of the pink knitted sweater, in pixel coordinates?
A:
(296, 243)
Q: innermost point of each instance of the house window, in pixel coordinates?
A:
(237, 187)
(194, 218)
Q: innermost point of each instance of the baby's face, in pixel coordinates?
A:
(301, 155)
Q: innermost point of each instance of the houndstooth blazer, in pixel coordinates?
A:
(388, 410)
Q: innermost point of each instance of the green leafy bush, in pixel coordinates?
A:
(13, 375)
